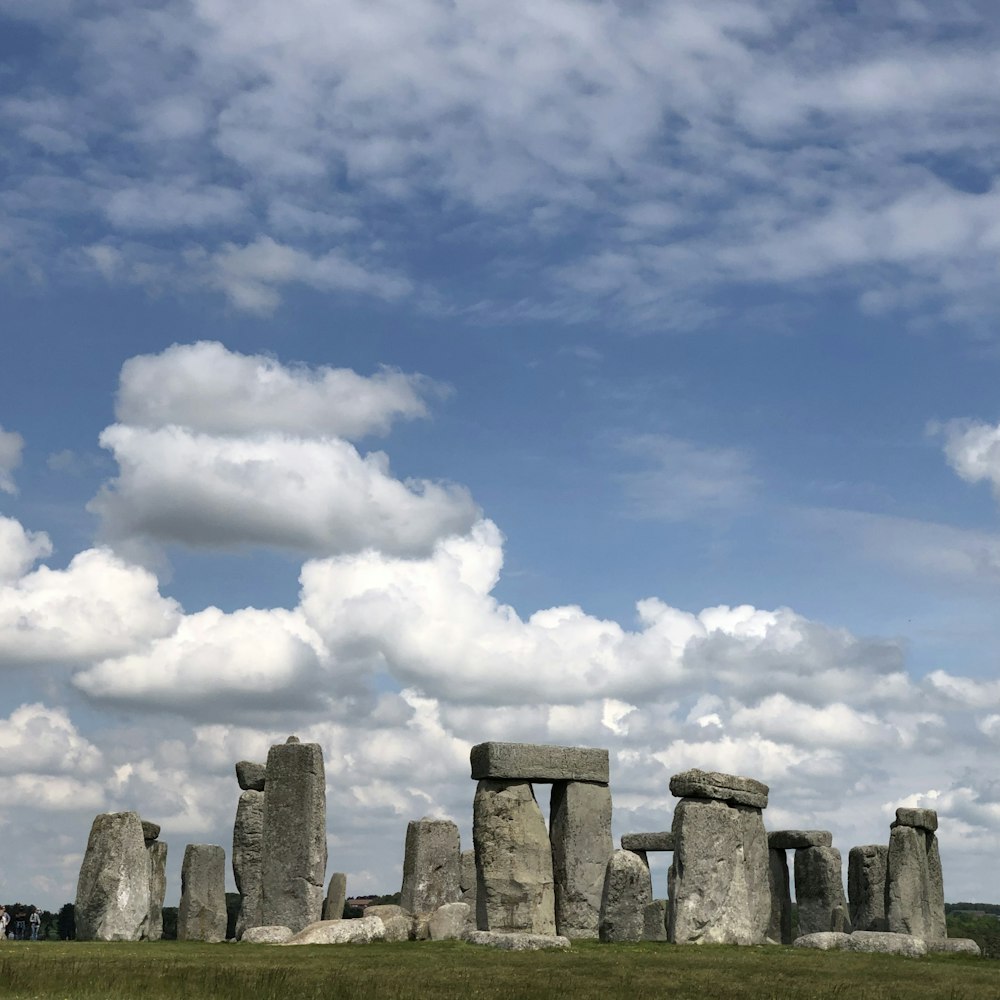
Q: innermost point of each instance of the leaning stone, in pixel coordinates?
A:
(248, 835)
(467, 878)
(663, 841)
(953, 946)
(922, 819)
(532, 762)
(779, 930)
(361, 931)
(271, 934)
(150, 830)
(696, 784)
(793, 840)
(823, 940)
(250, 775)
(112, 894)
(336, 897)
(450, 922)
(819, 890)
(293, 852)
(431, 865)
(514, 941)
(866, 887)
(398, 923)
(515, 890)
(627, 892)
(719, 878)
(886, 943)
(580, 834)
(157, 851)
(202, 914)
(654, 921)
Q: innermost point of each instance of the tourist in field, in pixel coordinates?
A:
(4, 921)
(35, 920)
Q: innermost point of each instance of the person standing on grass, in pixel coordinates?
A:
(4, 921)
(35, 920)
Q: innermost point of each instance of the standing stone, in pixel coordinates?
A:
(914, 889)
(202, 913)
(935, 890)
(112, 894)
(779, 930)
(654, 923)
(293, 844)
(819, 890)
(336, 897)
(431, 865)
(580, 833)
(628, 890)
(866, 887)
(514, 881)
(467, 879)
(157, 851)
(248, 833)
(719, 878)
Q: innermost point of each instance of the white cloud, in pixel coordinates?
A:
(20, 549)
(11, 445)
(36, 740)
(973, 450)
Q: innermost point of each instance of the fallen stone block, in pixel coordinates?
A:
(361, 931)
(732, 788)
(272, 934)
(922, 819)
(823, 940)
(953, 946)
(793, 840)
(663, 841)
(450, 922)
(534, 762)
(398, 922)
(886, 943)
(515, 941)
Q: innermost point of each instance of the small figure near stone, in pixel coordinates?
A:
(202, 915)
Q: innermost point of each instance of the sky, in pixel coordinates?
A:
(404, 375)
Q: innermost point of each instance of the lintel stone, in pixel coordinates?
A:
(535, 763)
(250, 775)
(662, 841)
(731, 788)
(797, 840)
(922, 819)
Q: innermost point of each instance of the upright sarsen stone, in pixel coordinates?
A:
(580, 834)
(866, 887)
(627, 893)
(467, 879)
(514, 890)
(202, 913)
(819, 891)
(112, 894)
(336, 897)
(248, 835)
(157, 851)
(432, 865)
(914, 888)
(293, 843)
(779, 930)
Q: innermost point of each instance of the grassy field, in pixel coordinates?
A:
(456, 971)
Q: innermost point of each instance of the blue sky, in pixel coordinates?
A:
(673, 326)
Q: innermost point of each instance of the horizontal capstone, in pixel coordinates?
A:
(663, 841)
(731, 788)
(534, 762)
(923, 819)
(797, 840)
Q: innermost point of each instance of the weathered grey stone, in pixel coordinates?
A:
(248, 836)
(953, 946)
(431, 865)
(922, 819)
(293, 848)
(823, 940)
(272, 934)
(779, 929)
(719, 878)
(793, 840)
(202, 913)
(467, 879)
(398, 922)
(336, 897)
(450, 921)
(361, 931)
(627, 892)
(733, 788)
(515, 941)
(663, 841)
(866, 887)
(935, 891)
(150, 830)
(886, 943)
(580, 834)
(112, 894)
(914, 890)
(819, 890)
(532, 762)
(157, 851)
(421, 927)
(654, 921)
(515, 890)
(250, 775)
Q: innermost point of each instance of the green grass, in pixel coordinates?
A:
(457, 971)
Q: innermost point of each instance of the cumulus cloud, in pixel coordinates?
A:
(37, 740)
(11, 445)
(20, 549)
(972, 449)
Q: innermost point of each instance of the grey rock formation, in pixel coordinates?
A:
(336, 897)
(662, 841)
(272, 934)
(399, 923)
(361, 931)
(293, 852)
(793, 840)
(654, 921)
(866, 887)
(922, 819)
(823, 941)
(450, 922)
(885, 943)
(514, 890)
(248, 836)
(779, 929)
(819, 890)
(580, 834)
(696, 784)
(627, 892)
(202, 913)
(112, 894)
(467, 879)
(515, 941)
(914, 891)
(432, 865)
(250, 775)
(150, 831)
(532, 762)
(157, 851)
(953, 946)
(719, 878)
(935, 890)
